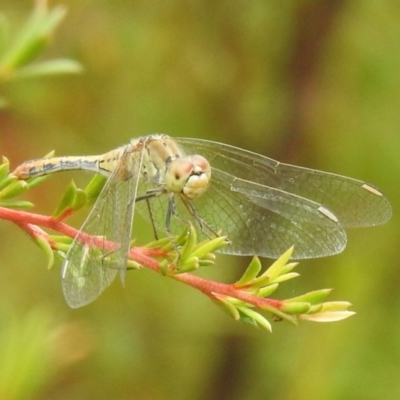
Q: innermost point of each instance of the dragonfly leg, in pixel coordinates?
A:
(170, 211)
(148, 195)
(152, 219)
(202, 224)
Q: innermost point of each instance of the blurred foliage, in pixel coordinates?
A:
(16, 57)
(316, 83)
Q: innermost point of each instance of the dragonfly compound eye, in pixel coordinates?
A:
(188, 175)
(177, 174)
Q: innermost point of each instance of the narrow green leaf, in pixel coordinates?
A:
(228, 307)
(206, 263)
(188, 264)
(267, 290)
(210, 246)
(8, 180)
(163, 267)
(33, 38)
(60, 239)
(66, 201)
(265, 279)
(288, 267)
(37, 180)
(257, 317)
(315, 309)
(187, 248)
(336, 305)
(181, 239)
(328, 316)
(14, 189)
(286, 277)
(260, 282)
(94, 187)
(48, 68)
(62, 248)
(158, 243)
(45, 246)
(133, 265)
(4, 168)
(19, 204)
(276, 268)
(79, 200)
(53, 18)
(314, 297)
(295, 308)
(251, 272)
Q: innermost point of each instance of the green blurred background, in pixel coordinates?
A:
(316, 83)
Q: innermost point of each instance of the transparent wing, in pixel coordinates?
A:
(100, 249)
(257, 219)
(355, 203)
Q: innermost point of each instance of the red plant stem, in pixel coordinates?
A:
(21, 218)
(30, 222)
(211, 289)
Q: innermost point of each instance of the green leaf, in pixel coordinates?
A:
(79, 200)
(288, 267)
(44, 245)
(336, 305)
(19, 204)
(187, 248)
(94, 187)
(14, 189)
(228, 307)
(172, 243)
(37, 180)
(7, 181)
(286, 277)
(251, 272)
(163, 267)
(314, 297)
(188, 264)
(315, 309)
(296, 307)
(256, 317)
(4, 168)
(60, 239)
(158, 243)
(276, 268)
(267, 290)
(206, 263)
(133, 265)
(66, 201)
(328, 316)
(202, 250)
(47, 68)
(33, 38)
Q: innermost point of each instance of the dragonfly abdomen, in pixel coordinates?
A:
(103, 164)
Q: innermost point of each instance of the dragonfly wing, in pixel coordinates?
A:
(257, 219)
(100, 249)
(355, 203)
(265, 221)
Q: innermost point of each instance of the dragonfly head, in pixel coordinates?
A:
(189, 176)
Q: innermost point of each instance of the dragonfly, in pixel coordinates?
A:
(263, 206)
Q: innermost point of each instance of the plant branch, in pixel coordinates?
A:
(173, 257)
